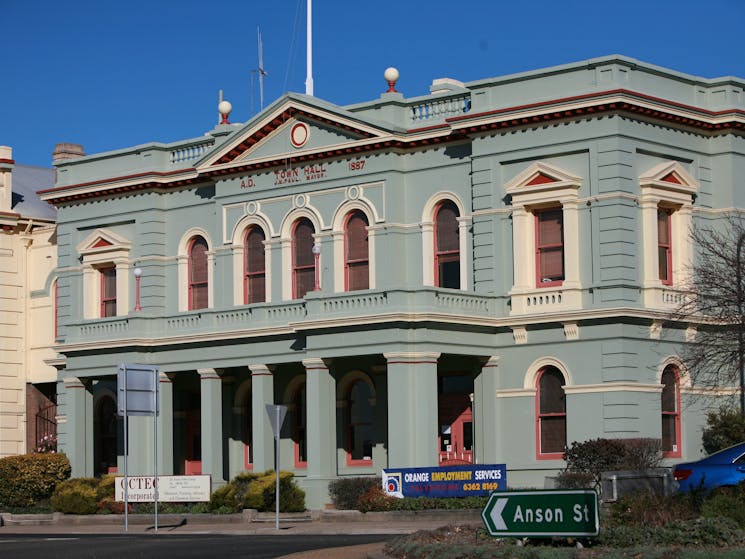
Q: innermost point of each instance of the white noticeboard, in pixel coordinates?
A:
(171, 489)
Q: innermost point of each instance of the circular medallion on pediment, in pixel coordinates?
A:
(299, 134)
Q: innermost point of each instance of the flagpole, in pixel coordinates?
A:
(309, 51)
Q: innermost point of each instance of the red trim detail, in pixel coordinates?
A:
(8, 161)
(670, 177)
(102, 243)
(540, 178)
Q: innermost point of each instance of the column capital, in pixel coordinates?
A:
(259, 369)
(209, 374)
(74, 382)
(492, 361)
(412, 357)
(315, 363)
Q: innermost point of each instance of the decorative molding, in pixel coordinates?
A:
(691, 333)
(520, 334)
(571, 330)
(655, 330)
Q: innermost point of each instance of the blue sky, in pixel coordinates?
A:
(112, 74)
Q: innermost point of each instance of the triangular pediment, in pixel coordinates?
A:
(102, 240)
(292, 127)
(669, 175)
(541, 176)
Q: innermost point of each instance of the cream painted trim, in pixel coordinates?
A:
(428, 237)
(683, 371)
(531, 375)
(338, 238)
(238, 255)
(517, 393)
(613, 387)
(183, 268)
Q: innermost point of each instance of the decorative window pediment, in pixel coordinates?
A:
(103, 242)
(668, 179)
(542, 182)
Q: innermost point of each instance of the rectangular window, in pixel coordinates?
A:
(549, 247)
(664, 246)
(108, 291)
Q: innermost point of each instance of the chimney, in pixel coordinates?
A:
(67, 151)
(6, 178)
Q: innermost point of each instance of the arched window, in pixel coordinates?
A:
(303, 267)
(671, 412)
(198, 274)
(551, 420)
(447, 246)
(300, 433)
(359, 424)
(254, 276)
(356, 258)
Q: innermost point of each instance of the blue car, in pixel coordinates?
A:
(726, 467)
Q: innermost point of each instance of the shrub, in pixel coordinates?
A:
(29, 478)
(712, 532)
(648, 509)
(728, 502)
(76, 496)
(345, 492)
(375, 499)
(724, 429)
(257, 491)
(596, 456)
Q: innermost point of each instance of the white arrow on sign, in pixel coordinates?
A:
(496, 514)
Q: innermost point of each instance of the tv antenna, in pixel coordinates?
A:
(261, 72)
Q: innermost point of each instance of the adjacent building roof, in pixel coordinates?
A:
(27, 180)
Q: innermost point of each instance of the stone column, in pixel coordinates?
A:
(321, 429)
(211, 423)
(262, 393)
(165, 426)
(75, 427)
(485, 413)
(412, 409)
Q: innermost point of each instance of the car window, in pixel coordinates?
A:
(740, 459)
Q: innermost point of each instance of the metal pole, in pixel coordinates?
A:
(276, 453)
(126, 452)
(155, 445)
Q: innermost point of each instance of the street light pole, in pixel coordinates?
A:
(316, 258)
(138, 273)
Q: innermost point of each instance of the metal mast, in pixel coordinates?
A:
(309, 51)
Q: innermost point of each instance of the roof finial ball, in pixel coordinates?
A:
(391, 76)
(224, 109)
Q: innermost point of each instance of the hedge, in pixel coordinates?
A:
(29, 478)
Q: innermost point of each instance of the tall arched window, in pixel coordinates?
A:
(198, 274)
(356, 257)
(551, 411)
(447, 246)
(359, 424)
(671, 412)
(303, 267)
(300, 433)
(254, 276)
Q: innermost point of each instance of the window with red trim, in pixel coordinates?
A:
(303, 263)
(300, 433)
(356, 261)
(359, 423)
(549, 247)
(254, 273)
(664, 246)
(551, 421)
(447, 246)
(670, 412)
(108, 291)
(198, 274)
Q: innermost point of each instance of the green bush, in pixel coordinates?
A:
(728, 502)
(723, 429)
(30, 478)
(596, 456)
(703, 532)
(346, 491)
(648, 509)
(376, 500)
(257, 491)
(76, 496)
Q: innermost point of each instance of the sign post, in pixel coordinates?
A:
(137, 394)
(542, 514)
(276, 419)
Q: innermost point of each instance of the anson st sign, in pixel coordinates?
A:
(542, 514)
